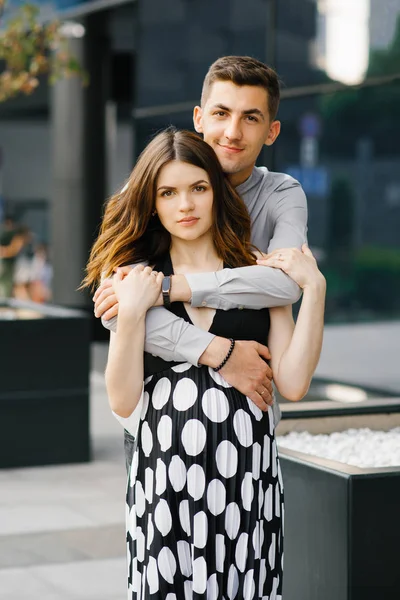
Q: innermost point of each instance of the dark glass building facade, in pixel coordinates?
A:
(339, 63)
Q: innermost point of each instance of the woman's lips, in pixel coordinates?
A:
(188, 222)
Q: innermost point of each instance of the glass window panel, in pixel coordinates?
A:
(336, 40)
(343, 148)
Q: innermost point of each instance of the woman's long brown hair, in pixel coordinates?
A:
(130, 233)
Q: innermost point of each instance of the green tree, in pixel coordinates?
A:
(30, 48)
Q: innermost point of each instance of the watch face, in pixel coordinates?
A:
(166, 285)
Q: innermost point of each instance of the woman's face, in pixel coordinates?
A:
(184, 200)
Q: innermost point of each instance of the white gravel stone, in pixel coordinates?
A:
(358, 447)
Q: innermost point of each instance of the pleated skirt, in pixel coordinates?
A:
(204, 496)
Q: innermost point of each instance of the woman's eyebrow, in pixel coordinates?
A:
(171, 187)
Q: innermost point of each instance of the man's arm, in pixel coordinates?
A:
(257, 286)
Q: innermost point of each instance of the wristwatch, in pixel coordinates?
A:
(165, 290)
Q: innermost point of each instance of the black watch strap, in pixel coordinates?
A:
(165, 290)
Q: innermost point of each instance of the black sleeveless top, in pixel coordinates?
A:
(239, 324)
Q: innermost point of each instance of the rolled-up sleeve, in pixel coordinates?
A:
(170, 337)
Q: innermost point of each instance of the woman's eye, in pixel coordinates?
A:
(166, 193)
(200, 188)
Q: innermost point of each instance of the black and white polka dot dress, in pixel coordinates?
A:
(204, 494)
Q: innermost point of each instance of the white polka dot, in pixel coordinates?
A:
(227, 459)
(233, 582)
(135, 575)
(268, 503)
(249, 586)
(219, 552)
(241, 552)
(256, 541)
(150, 531)
(256, 460)
(271, 420)
(166, 564)
(185, 394)
(216, 497)
(243, 428)
(247, 491)
(139, 499)
(262, 577)
(161, 393)
(147, 439)
(161, 477)
(212, 587)
(170, 597)
(184, 558)
(164, 433)
(199, 575)
(266, 453)
(277, 500)
(140, 543)
(182, 367)
(260, 498)
(257, 412)
(148, 484)
(218, 378)
(188, 589)
(280, 476)
(148, 379)
(133, 469)
(232, 520)
(131, 521)
(200, 529)
(162, 517)
(215, 405)
(193, 437)
(261, 534)
(177, 473)
(184, 516)
(271, 552)
(145, 406)
(152, 575)
(196, 481)
(274, 459)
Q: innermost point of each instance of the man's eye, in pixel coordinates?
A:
(253, 119)
(220, 113)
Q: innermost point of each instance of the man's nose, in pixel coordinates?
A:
(233, 130)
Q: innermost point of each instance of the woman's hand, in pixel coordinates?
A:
(138, 290)
(300, 265)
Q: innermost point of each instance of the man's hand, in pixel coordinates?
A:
(249, 373)
(105, 300)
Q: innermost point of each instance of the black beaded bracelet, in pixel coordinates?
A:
(226, 357)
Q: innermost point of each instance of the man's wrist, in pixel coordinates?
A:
(215, 352)
(180, 290)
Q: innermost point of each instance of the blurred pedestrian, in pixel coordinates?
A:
(12, 240)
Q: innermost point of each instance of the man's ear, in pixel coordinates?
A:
(197, 119)
(273, 133)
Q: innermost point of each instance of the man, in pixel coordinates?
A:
(237, 116)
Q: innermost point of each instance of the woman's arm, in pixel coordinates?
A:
(295, 349)
(124, 373)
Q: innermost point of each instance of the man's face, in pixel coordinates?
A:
(235, 122)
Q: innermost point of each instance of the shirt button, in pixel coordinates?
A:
(204, 303)
(241, 307)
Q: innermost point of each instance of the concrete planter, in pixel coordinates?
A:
(342, 524)
(44, 385)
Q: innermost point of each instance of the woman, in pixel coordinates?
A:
(204, 496)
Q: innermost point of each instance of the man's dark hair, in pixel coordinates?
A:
(244, 70)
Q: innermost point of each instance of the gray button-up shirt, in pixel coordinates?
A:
(278, 210)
